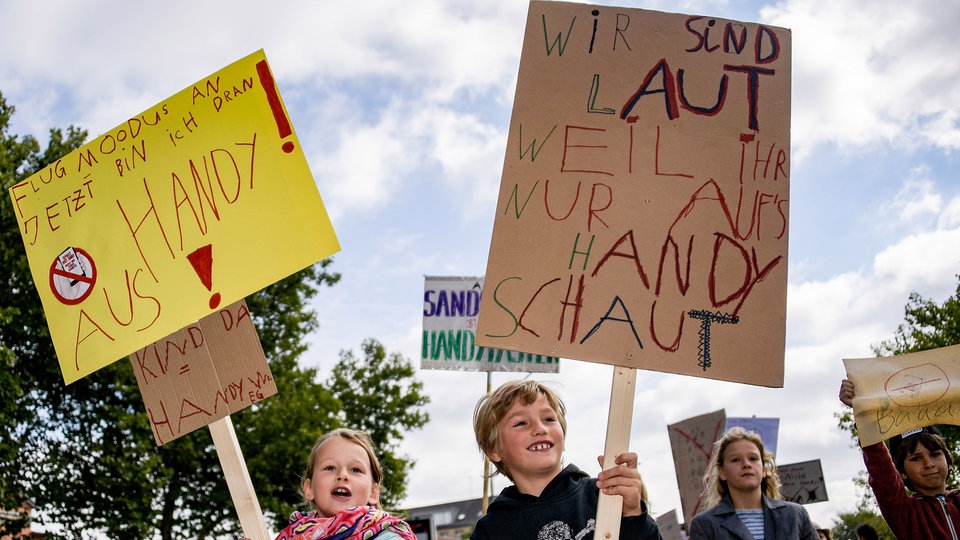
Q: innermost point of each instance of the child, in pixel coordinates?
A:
(521, 428)
(920, 462)
(742, 493)
(342, 481)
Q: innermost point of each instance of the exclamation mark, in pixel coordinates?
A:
(202, 262)
(276, 106)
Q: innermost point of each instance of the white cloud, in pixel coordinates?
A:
(864, 75)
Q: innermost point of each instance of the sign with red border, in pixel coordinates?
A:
(72, 276)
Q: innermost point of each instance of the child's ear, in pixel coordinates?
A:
(374, 495)
(494, 456)
(307, 490)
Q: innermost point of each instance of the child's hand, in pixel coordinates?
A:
(623, 479)
(847, 392)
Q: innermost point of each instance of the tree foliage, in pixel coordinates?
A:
(84, 453)
(845, 525)
(378, 398)
(927, 325)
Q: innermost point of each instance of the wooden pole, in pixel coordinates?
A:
(238, 479)
(610, 507)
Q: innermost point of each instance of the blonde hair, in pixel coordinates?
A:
(492, 407)
(361, 439)
(715, 489)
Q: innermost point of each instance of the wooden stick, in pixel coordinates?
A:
(610, 507)
(238, 479)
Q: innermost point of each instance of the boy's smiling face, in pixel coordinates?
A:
(531, 442)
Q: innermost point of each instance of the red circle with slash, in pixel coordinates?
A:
(72, 276)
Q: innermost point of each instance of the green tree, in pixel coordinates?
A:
(927, 325)
(845, 525)
(378, 398)
(84, 454)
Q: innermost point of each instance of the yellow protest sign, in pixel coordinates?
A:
(895, 394)
(643, 210)
(191, 205)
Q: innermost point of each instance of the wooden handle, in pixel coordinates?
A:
(610, 507)
(238, 479)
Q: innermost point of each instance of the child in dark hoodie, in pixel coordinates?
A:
(521, 428)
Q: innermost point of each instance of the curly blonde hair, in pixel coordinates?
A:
(715, 489)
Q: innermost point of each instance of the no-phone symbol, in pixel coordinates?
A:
(72, 276)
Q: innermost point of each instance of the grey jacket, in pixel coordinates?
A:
(783, 520)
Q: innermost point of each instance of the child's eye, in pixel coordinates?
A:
(357, 470)
(329, 468)
(520, 423)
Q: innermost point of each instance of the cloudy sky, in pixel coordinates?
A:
(403, 110)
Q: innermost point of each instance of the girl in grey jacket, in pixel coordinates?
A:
(742, 495)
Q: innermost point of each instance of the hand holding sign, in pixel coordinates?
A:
(894, 394)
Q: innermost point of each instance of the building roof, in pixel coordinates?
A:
(451, 515)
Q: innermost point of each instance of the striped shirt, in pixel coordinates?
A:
(752, 518)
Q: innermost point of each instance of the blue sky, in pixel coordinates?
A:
(403, 111)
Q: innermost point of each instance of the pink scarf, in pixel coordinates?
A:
(357, 523)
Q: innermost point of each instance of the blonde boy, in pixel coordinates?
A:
(521, 428)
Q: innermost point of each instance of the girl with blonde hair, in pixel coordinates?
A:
(343, 483)
(742, 495)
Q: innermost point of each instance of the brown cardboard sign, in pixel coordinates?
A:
(642, 217)
(691, 441)
(202, 373)
(669, 527)
(899, 393)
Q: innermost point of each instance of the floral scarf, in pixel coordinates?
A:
(357, 523)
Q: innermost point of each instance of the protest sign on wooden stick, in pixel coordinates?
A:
(643, 206)
(202, 373)
(642, 216)
(132, 236)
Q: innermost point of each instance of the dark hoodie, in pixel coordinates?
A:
(566, 509)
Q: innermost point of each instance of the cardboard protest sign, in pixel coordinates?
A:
(188, 206)
(669, 527)
(450, 308)
(767, 428)
(643, 209)
(802, 483)
(202, 373)
(691, 441)
(898, 393)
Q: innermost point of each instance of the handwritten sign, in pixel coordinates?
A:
(643, 208)
(188, 206)
(691, 441)
(767, 428)
(802, 483)
(898, 393)
(669, 527)
(202, 373)
(450, 308)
